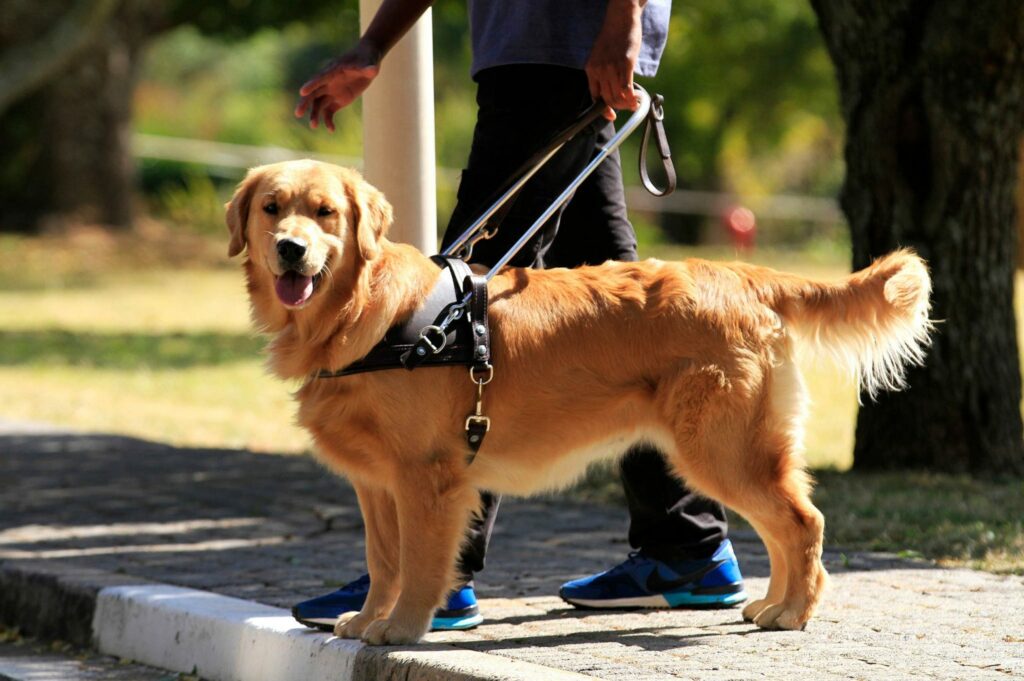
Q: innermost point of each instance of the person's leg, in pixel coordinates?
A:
(520, 108)
(510, 128)
(668, 522)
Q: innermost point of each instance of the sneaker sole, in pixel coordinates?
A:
(668, 600)
(437, 624)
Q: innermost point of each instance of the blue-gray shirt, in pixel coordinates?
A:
(559, 32)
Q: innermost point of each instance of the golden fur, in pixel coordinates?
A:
(693, 357)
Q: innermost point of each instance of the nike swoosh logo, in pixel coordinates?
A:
(657, 584)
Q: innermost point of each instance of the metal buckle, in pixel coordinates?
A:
(425, 337)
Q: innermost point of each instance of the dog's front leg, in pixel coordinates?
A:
(381, 522)
(433, 505)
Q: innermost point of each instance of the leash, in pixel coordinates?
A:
(452, 326)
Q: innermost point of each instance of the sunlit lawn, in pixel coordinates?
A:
(167, 354)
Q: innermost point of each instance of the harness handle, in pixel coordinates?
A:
(462, 247)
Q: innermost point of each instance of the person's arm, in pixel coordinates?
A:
(614, 55)
(343, 80)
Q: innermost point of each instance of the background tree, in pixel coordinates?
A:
(70, 70)
(932, 92)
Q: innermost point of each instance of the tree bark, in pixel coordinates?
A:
(932, 92)
(71, 140)
(26, 67)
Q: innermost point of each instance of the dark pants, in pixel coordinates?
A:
(520, 107)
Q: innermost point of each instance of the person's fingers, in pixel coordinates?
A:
(629, 94)
(610, 88)
(302, 107)
(593, 84)
(328, 115)
(314, 116)
(312, 85)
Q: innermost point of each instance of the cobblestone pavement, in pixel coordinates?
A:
(279, 529)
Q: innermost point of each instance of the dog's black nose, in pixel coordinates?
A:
(291, 250)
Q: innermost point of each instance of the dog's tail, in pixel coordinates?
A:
(874, 323)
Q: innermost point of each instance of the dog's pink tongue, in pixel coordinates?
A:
(293, 288)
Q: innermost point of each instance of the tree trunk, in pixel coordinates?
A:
(933, 97)
(71, 140)
(89, 125)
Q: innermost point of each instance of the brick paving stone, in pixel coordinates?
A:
(280, 529)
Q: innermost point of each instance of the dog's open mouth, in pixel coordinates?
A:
(295, 289)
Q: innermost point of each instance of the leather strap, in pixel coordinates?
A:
(403, 339)
(428, 343)
(655, 122)
(478, 320)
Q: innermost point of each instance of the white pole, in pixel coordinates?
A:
(398, 133)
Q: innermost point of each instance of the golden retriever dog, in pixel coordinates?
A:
(694, 357)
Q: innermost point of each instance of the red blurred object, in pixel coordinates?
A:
(741, 223)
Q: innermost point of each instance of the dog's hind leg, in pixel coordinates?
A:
(381, 523)
(785, 517)
(776, 583)
(433, 506)
(744, 452)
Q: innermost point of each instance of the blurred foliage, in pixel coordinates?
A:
(196, 204)
(752, 93)
(751, 103)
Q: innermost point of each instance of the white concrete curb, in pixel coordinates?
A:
(220, 638)
(228, 639)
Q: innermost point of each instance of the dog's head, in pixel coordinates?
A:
(303, 221)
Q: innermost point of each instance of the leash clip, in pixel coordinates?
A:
(466, 252)
(478, 425)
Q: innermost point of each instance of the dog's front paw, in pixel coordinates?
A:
(352, 625)
(754, 609)
(781, 617)
(394, 632)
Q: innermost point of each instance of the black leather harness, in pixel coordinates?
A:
(450, 328)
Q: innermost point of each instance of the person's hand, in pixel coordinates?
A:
(614, 55)
(339, 84)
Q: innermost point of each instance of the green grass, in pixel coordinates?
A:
(130, 335)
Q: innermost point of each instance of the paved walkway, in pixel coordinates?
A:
(279, 529)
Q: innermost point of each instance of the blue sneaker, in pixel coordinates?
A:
(643, 582)
(461, 611)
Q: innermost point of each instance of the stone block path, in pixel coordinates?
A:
(278, 529)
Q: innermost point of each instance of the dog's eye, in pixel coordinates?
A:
(270, 209)
(324, 211)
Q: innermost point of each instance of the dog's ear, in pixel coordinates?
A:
(371, 213)
(236, 211)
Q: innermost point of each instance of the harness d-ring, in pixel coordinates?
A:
(425, 337)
